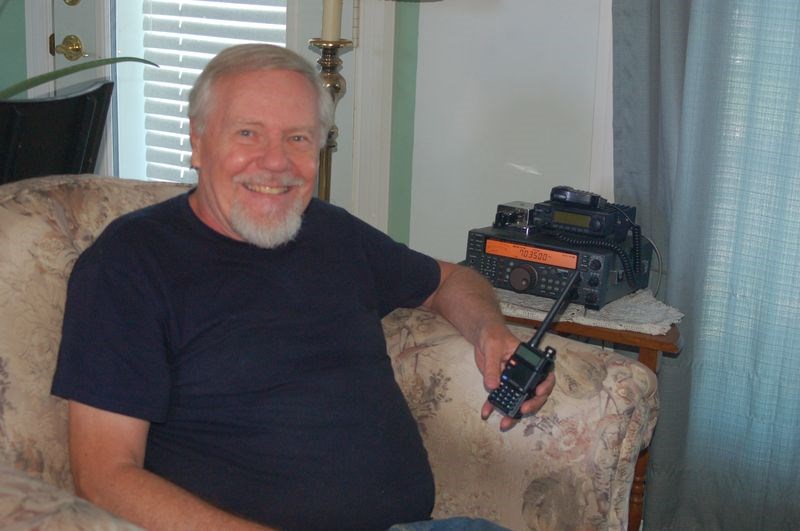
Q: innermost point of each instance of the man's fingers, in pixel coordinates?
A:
(489, 368)
(543, 391)
(487, 409)
(506, 423)
(529, 407)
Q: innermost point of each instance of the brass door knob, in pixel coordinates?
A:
(71, 48)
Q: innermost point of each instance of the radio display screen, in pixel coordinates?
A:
(532, 254)
(570, 218)
(529, 355)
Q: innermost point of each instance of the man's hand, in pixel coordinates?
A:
(491, 365)
(467, 300)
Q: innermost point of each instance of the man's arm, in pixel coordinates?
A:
(467, 300)
(107, 455)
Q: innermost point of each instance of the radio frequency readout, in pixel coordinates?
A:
(531, 254)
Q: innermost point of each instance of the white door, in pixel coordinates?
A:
(40, 30)
(80, 34)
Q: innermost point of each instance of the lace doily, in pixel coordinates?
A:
(637, 312)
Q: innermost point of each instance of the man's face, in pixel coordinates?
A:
(257, 156)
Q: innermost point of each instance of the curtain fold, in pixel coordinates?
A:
(707, 146)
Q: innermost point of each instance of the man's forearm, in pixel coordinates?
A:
(468, 301)
(107, 453)
(154, 503)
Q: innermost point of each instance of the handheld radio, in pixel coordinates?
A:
(528, 366)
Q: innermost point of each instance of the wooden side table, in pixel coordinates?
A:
(648, 346)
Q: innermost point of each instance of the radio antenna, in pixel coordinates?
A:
(555, 309)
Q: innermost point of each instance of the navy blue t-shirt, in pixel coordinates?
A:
(263, 373)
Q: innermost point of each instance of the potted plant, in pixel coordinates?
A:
(35, 81)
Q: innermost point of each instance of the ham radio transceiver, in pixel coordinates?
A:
(533, 248)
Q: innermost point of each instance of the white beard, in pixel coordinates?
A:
(266, 232)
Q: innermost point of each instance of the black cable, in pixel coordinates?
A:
(606, 244)
(636, 250)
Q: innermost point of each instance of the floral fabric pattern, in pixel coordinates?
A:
(568, 467)
(45, 223)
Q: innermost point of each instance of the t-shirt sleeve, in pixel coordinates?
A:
(404, 278)
(113, 352)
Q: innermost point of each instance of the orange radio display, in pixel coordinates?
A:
(532, 254)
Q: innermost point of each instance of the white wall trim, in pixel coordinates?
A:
(372, 120)
(601, 172)
(105, 162)
(38, 27)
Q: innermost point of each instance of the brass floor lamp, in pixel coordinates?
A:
(333, 81)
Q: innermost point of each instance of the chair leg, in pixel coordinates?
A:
(636, 504)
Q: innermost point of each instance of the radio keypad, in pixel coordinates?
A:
(485, 264)
(507, 397)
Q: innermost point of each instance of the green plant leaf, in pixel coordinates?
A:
(35, 81)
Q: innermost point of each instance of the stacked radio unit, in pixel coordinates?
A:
(535, 248)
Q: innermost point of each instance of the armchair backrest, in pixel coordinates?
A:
(45, 223)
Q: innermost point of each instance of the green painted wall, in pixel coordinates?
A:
(13, 67)
(406, 33)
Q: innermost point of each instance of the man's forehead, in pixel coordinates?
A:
(239, 74)
(236, 97)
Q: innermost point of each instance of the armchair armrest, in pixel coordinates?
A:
(568, 467)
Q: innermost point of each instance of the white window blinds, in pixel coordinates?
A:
(181, 37)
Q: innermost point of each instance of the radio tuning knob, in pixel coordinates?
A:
(523, 278)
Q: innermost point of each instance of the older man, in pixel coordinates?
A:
(236, 376)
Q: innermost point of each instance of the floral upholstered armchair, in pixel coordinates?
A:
(568, 467)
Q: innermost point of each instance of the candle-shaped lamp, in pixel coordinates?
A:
(330, 43)
(331, 20)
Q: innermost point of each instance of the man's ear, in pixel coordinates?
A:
(195, 139)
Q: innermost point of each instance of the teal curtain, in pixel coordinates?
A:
(707, 146)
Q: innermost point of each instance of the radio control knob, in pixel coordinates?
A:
(594, 281)
(523, 278)
(595, 264)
